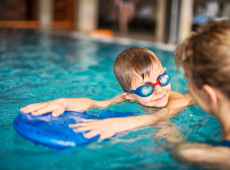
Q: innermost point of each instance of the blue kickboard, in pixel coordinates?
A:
(54, 131)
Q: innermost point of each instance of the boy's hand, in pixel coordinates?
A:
(105, 128)
(57, 107)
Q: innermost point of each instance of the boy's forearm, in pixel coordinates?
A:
(106, 103)
(77, 104)
(82, 104)
(128, 123)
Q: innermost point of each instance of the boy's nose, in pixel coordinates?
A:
(158, 89)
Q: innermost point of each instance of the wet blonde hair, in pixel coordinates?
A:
(205, 56)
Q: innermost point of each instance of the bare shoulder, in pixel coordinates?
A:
(186, 96)
(189, 99)
(174, 94)
(176, 100)
(203, 155)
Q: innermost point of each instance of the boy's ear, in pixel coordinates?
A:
(211, 92)
(126, 96)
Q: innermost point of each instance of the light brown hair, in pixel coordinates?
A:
(134, 59)
(205, 56)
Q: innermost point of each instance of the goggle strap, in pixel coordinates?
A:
(129, 91)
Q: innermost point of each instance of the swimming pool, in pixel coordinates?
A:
(39, 66)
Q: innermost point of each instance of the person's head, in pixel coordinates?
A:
(205, 57)
(137, 66)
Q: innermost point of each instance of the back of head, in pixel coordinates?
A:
(205, 56)
(133, 60)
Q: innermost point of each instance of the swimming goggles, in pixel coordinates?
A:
(148, 88)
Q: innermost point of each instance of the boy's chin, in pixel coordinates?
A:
(160, 105)
(163, 104)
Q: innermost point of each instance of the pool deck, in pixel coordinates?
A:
(121, 39)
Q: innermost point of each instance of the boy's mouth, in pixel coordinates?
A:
(161, 98)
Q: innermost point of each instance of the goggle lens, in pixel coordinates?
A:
(164, 80)
(146, 90)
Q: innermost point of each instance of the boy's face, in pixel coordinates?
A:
(159, 98)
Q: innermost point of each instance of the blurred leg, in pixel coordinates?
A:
(131, 11)
(123, 18)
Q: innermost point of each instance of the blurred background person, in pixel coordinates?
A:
(126, 13)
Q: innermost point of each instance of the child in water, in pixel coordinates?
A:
(144, 81)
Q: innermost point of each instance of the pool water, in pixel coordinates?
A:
(39, 66)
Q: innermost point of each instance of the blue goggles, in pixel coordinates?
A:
(148, 88)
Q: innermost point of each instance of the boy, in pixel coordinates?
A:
(144, 80)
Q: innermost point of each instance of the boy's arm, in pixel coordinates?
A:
(109, 127)
(58, 106)
(82, 104)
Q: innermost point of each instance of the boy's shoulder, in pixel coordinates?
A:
(177, 100)
(186, 96)
(174, 94)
